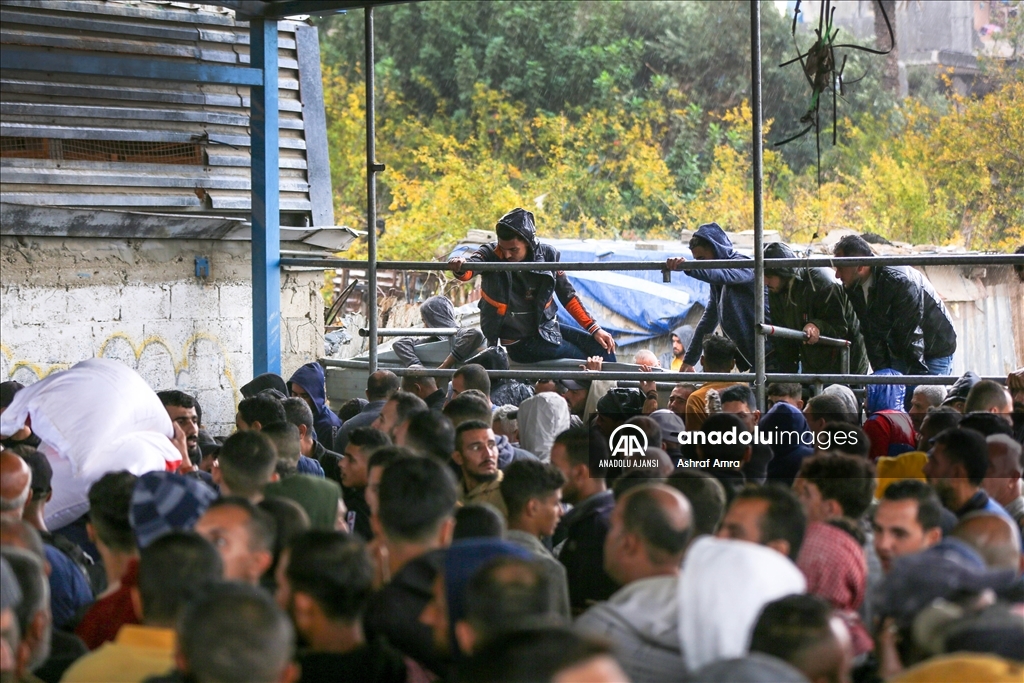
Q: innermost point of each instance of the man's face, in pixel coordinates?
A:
(774, 283)
(815, 424)
(811, 500)
(388, 419)
(919, 406)
(560, 459)
(677, 400)
(513, 250)
(851, 276)
(188, 420)
(742, 521)
(458, 385)
(897, 531)
(677, 346)
(701, 253)
(940, 471)
(549, 512)
(743, 411)
(1002, 483)
(478, 456)
(240, 424)
(353, 467)
(577, 400)
(435, 615)
(298, 392)
(373, 488)
(227, 528)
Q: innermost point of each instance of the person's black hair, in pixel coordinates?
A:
(290, 520)
(285, 437)
(696, 241)
(788, 389)
(468, 426)
(261, 526)
(531, 655)
(430, 433)
(857, 445)
(829, 407)
(467, 406)
(986, 424)
(790, 627)
(506, 233)
(234, 633)
(986, 395)
(475, 377)
(478, 520)
(938, 420)
(784, 520)
(967, 447)
(526, 480)
(722, 423)
(381, 385)
(368, 439)
(298, 412)
(643, 515)
(929, 507)
(739, 392)
(350, 408)
(649, 427)
(110, 498)
(179, 399)
(576, 441)
(262, 409)
(852, 245)
(706, 495)
(172, 570)
(719, 353)
(246, 461)
(405, 405)
(848, 480)
(335, 570)
(507, 594)
(384, 456)
(416, 496)
(42, 472)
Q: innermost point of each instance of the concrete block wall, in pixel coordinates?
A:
(63, 300)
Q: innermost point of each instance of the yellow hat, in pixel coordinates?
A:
(904, 466)
(963, 667)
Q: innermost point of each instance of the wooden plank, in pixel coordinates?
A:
(154, 176)
(321, 196)
(225, 202)
(94, 133)
(127, 113)
(123, 10)
(105, 198)
(93, 24)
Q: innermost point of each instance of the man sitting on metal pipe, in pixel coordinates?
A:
(731, 303)
(518, 308)
(813, 301)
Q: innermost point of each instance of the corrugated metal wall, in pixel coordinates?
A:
(90, 141)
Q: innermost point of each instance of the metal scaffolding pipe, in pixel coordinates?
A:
(812, 262)
(757, 168)
(799, 335)
(372, 167)
(412, 332)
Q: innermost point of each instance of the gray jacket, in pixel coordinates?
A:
(438, 311)
(555, 569)
(642, 621)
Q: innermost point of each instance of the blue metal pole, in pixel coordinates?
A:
(266, 213)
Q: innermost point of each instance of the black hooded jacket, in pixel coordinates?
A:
(520, 305)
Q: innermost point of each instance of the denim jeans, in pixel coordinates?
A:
(575, 344)
(939, 366)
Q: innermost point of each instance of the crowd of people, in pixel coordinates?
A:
(486, 532)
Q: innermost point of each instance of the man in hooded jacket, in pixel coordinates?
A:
(518, 308)
(811, 300)
(731, 303)
(682, 337)
(308, 384)
(438, 311)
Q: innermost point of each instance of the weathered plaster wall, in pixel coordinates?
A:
(63, 300)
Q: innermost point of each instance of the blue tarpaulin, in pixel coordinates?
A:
(633, 305)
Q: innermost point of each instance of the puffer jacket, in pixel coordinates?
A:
(527, 307)
(813, 295)
(891, 321)
(936, 323)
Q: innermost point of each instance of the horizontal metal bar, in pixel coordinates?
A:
(412, 332)
(799, 335)
(815, 262)
(20, 59)
(666, 376)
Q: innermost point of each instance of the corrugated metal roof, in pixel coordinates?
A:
(64, 109)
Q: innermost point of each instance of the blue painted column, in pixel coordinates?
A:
(266, 200)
